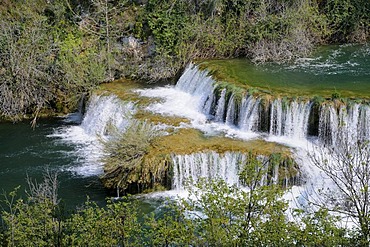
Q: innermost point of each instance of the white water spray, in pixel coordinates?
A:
(103, 113)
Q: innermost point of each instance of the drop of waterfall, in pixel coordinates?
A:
(208, 165)
(102, 114)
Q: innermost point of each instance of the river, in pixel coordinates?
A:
(31, 152)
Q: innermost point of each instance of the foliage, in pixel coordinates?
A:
(114, 225)
(52, 52)
(214, 214)
(320, 229)
(124, 156)
(217, 214)
(37, 219)
(348, 19)
(42, 60)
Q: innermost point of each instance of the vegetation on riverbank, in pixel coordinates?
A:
(214, 214)
(54, 51)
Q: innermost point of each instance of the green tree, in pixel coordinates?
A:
(114, 225)
(26, 60)
(36, 221)
(320, 228)
(348, 19)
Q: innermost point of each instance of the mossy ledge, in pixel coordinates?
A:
(266, 97)
(148, 167)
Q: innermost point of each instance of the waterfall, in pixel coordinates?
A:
(220, 109)
(346, 122)
(102, 114)
(232, 111)
(289, 119)
(198, 84)
(284, 117)
(208, 165)
(249, 111)
(226, 166)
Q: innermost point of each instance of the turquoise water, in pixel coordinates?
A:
(331, 69)
(30, 152)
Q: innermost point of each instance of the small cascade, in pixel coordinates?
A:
(220, 109)
(228, 166)
(249, 114)
(232, 111)
(198, 84)
(210, 165)
(344, 122)
(289, 119)
(276, 119)
(104, 112)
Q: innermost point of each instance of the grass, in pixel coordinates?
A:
(124, 89)
(160, 119)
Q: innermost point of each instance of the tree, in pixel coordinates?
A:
(44, 62)
(36, 221)
(347, 165)
(218, 214)
(114, 225)
(26, 61)
(105, 20)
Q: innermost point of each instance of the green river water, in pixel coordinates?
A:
(331, 69)
(30, 152)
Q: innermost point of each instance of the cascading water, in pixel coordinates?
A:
(199, 85)
(285, 118)
(249, 114)
(220, 109)
(209, 165)
(289, 119)
(348, 122)
(102, 114)
(227, 166)
(215, 110)
(286, 121)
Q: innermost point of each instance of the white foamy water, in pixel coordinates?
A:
(348, 121)
(103, 113)
(178, 103)
(209, 165)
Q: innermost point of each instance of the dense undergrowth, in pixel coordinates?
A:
(54, 51)
(214, 214)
